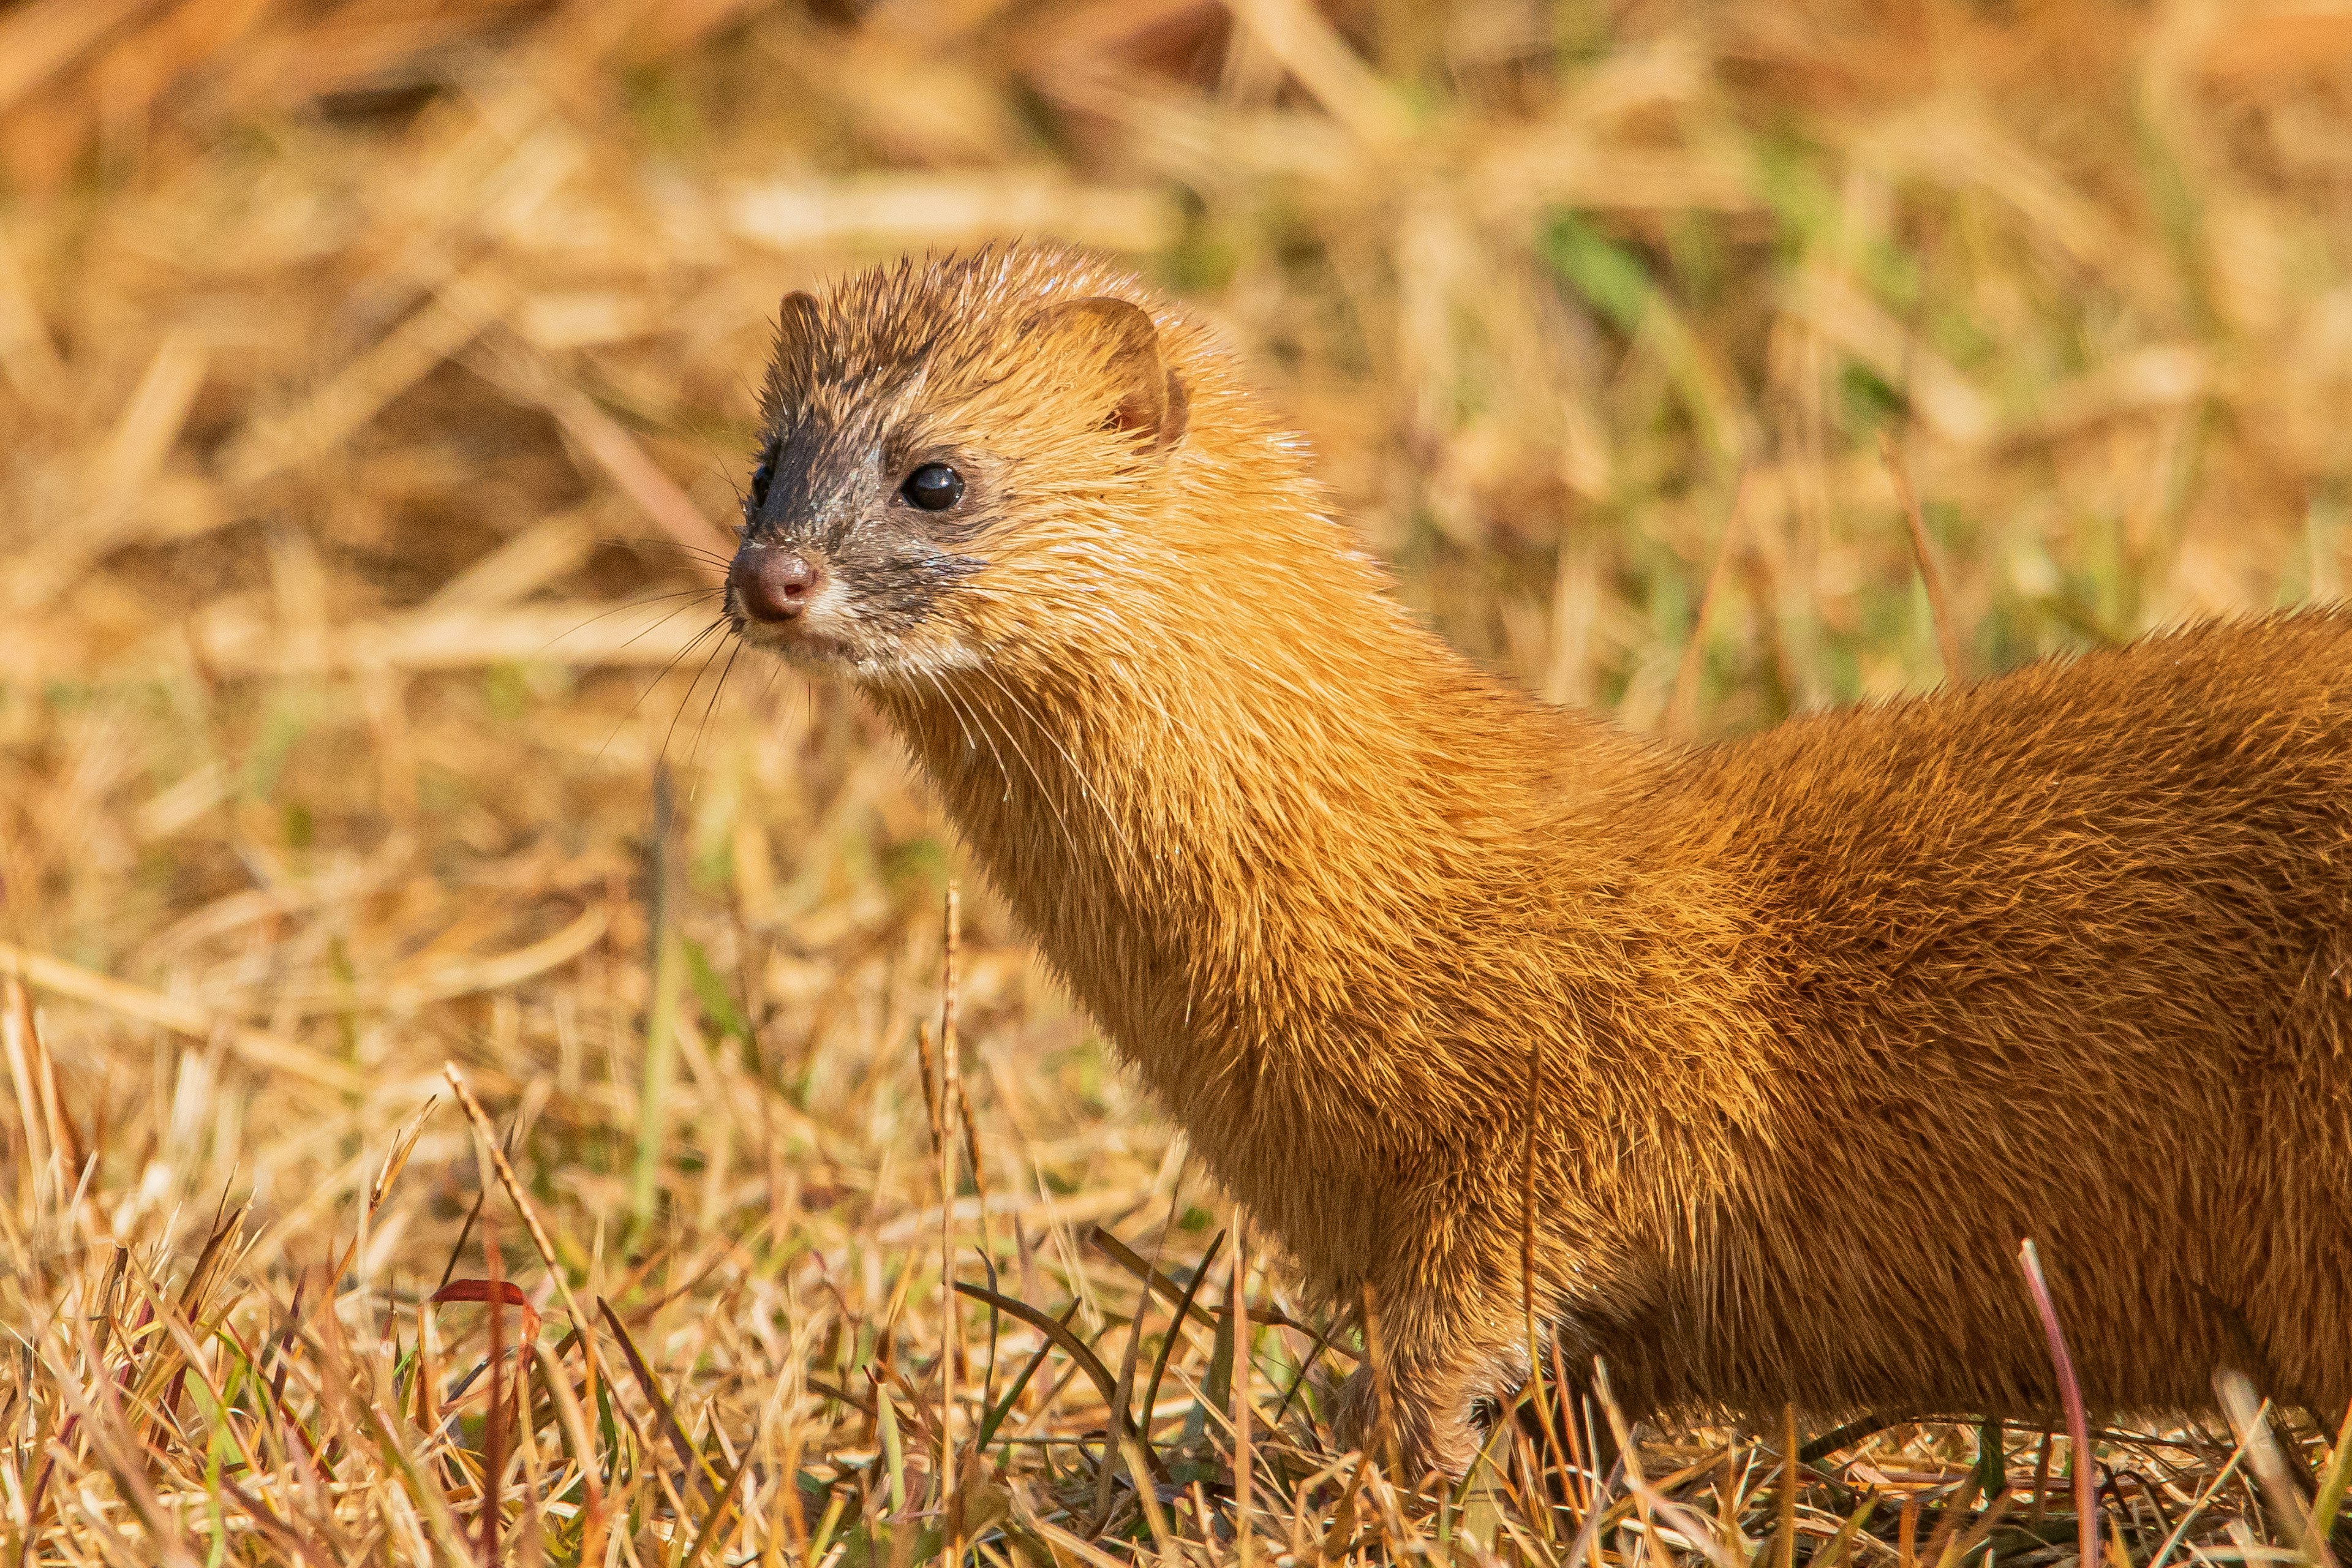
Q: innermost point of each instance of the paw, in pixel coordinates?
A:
(1428, 1435)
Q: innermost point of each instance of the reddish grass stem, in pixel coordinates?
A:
(2070, 1393)
(494, 1448)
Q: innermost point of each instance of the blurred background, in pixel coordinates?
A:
(372, 371)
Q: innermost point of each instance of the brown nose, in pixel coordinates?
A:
(773, 583)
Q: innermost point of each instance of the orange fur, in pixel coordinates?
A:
(1830, 1018)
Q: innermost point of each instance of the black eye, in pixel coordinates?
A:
(762, 477)
(934, 487)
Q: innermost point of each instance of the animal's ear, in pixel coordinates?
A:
(799, 323)
(1141, 395)
(796, 320)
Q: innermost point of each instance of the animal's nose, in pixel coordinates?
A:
(773, 583)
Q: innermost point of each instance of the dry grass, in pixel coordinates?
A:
(371, 375)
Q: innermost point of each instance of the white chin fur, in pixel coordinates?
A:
(818, 649)
(913, 667)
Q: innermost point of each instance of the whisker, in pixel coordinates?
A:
(751, 393)
(1044, 791)
(725, 465)
(933, 677)
(980, 717)
(1084, 783)
(660, 677)
(648, 541)
(659, 623)
(671, 733)
(709, 708)
(634, 604)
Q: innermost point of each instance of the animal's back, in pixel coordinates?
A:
(2066, 956)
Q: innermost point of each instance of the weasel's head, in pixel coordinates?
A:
(960, 460)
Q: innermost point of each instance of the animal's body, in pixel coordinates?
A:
(1820, 1022)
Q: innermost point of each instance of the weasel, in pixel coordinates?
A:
(1818, 1023)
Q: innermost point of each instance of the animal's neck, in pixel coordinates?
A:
(1293, 854)
(1265, 799)
(1234, 790)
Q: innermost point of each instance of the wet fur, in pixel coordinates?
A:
(1827, 1019)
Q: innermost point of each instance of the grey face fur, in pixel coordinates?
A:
(835, 491)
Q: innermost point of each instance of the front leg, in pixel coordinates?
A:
(1412, 1404)
(1445, 1321)
(1435, 1385)
(1446, 1327)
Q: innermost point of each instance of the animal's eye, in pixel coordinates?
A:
(762, 477)
(934, 487)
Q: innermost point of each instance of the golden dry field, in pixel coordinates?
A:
(377, 378)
